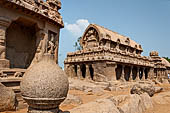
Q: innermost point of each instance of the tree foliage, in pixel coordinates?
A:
(77, 44)
(168, 59)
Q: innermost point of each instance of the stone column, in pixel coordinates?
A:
(151, 73)
(131, 74)
(166, 74)
(143, 72)
(72, 70)
(122, 78)
(88, 76)
(114, 72)
(79, 74)
(66, 69)
(4, 24)
(137, 76)
(110, 71)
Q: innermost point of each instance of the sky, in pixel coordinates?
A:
(145, 21)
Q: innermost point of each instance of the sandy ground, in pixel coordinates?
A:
(90, 97)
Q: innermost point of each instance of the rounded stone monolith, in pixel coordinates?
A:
(44, 86)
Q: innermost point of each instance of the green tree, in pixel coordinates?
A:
(77, 44)
(167, 59)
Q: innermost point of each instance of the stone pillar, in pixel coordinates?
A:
(151, 73)
(143, 72)
(166, 74)
(131, 74)
(4, 24)
(122, 78)
(66, 69)
(114, 72)
(79, 74)
(72, 71)
(110, 71)
(137, 76)
(88, 76)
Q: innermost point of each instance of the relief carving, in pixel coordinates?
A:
(41, 45)
(51, 44)
(91, 35)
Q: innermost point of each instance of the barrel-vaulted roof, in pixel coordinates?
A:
(165, 62)
(107, 34)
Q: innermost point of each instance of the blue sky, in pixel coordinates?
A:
(145, 21)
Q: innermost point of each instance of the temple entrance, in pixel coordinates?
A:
(83, 70)
(91, 71)
(118, 72)
(20, 43)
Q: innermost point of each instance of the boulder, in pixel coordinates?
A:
(143, 88)
(72, 99)
(132, 103)
(8, 100)
(158, 89)
(98, 106)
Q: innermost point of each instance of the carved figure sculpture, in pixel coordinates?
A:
(51, 45)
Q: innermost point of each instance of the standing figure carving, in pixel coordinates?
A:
(51, 44)
(41, 44)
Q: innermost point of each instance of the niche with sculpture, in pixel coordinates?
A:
(91, 38)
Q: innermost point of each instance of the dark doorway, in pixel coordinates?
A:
(140, 73)
(91, 71)
(118, 72)
(20, 43)
(83, 70)
(127, 73)
(75, 69)
(134, 73)
(146, 73)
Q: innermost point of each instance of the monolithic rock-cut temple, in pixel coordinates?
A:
(109, 56)
(28, 29)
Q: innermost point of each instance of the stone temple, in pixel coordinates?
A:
(109, 56)
(28, 30)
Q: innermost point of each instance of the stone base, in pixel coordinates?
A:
(32, 110)
(4, 63)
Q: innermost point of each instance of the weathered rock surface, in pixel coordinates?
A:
(96, 87)
(143, 88)
(72, 99)
(7, 99)
(132, 103)
(118, 104)
(98, 106)
(86, 86)
(158, 89)
(162, 98)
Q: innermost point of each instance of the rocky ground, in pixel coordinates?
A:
(115, 97)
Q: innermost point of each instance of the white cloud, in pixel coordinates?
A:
(77, 28)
